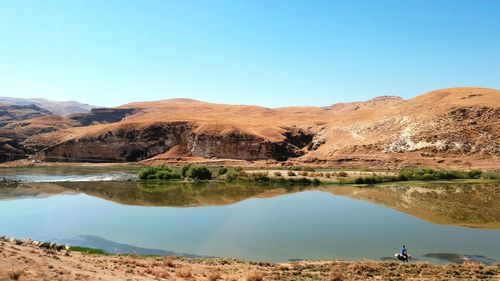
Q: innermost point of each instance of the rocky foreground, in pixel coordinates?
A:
(26, 261)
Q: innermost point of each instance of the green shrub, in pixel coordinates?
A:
(158, 172)
(222, 171)
(232, 175)
(421, 174)
(199, 173)
(342, 174)
(291, 173)
(147, 172)
(184, 170)
(491, 175)
(260, 177)
(430, 174)
(238, 169)
(373, 179)
(278, 174)
(474, 174)
(305, 174)
(168, 175)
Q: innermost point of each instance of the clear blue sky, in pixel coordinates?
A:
(268, 52)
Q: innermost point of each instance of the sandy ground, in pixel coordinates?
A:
(27, 262)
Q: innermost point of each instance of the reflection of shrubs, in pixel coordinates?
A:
(199, 173)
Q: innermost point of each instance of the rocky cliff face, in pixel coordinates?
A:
(137, 142)
(122, 144)
(244, 146)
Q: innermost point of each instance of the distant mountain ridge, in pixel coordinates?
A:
(96, 242)
(56, 107)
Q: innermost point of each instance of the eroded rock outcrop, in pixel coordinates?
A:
(122, 144)
(136, 142)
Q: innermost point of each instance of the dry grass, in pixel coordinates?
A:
(15, 275)
(79, 266)
(214, 276)
(184, 273)
(168, 261)
(255, 276)
(335, 277)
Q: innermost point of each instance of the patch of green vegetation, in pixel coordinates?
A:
(222, 171)
(184, 170)
(342, 174)
(158, 172)
(418, 174)
(87, 250)
(301, 168)
(264, 178)
(199, 173)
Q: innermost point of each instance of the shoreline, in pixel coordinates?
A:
(375, 164)
(23, 261)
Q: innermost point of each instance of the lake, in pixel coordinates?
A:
(438, 222)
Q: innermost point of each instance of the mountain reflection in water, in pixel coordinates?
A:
(468, 205)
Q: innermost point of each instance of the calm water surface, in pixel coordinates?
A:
(261, 223)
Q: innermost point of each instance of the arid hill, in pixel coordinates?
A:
(456, 127)
(57, 107)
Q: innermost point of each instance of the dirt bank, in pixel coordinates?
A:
(27, 262)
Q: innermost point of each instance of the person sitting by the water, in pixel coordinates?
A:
(404, 252)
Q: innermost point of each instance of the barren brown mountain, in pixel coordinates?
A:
(458, 127)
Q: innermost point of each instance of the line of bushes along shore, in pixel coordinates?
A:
(418, 174)
(202, 173)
